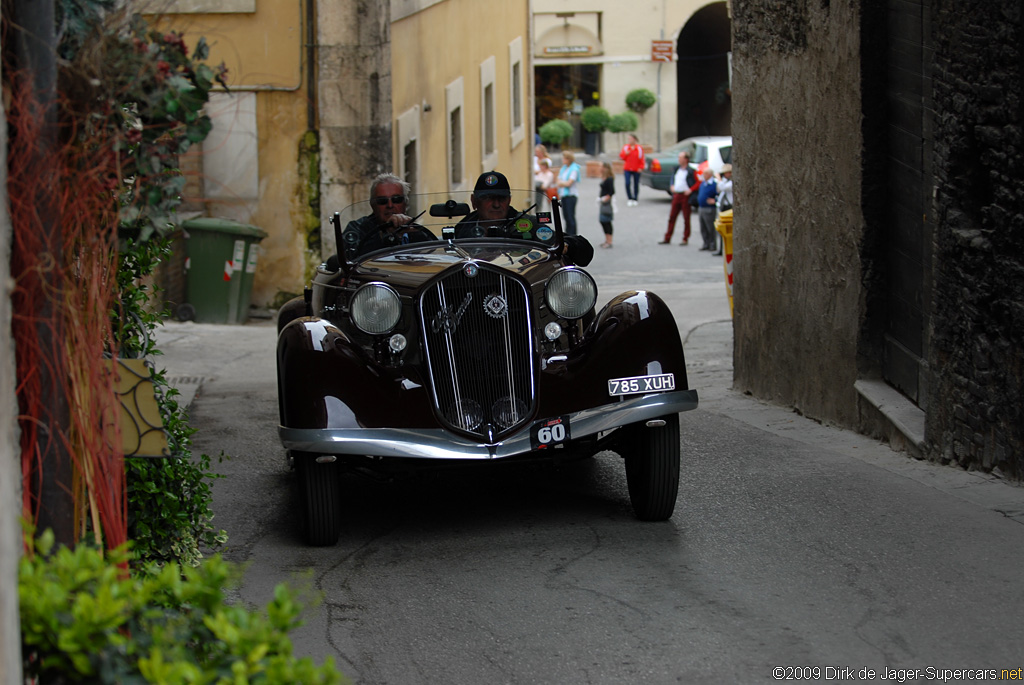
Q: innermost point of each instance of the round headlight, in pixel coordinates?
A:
(571, 293)
(376, 308)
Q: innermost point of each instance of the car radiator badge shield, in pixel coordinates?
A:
(495, 306)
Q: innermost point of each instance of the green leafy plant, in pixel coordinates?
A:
(149, 111)
(595, 119)
(640, 100)
(555, 131)
(162, 109)
(84, 620)
(169, 500)
(623, 122)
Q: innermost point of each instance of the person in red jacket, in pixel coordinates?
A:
(632, 156)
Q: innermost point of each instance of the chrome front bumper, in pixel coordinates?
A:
(436, 443)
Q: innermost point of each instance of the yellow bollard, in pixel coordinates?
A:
(723, 224)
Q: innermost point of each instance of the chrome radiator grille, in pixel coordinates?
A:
(478, 339)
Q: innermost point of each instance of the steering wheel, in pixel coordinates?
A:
(391, 239)
(411, 229)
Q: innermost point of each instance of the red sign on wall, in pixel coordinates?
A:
(661, 50)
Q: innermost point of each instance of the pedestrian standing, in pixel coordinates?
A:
(544, 181)
(684, 183)
(707, 197)
(632, 156)
(725, 198)
(540, 154)
(606, 209)
(568, 190)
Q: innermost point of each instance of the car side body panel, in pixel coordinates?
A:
(327, 381)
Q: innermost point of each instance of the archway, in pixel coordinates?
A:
(702, 73)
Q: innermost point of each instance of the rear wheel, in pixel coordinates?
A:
(652, 467)
(320, 499)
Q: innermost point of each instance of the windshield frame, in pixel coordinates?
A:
(441, 214)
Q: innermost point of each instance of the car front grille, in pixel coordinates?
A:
(477, 330)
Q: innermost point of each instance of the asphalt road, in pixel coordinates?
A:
(792, 544)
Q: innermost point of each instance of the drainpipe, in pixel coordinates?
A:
(312, 122)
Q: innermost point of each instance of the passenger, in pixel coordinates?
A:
(388, 222)
(494, 216)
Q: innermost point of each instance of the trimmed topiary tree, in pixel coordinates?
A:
(621, 123)
(640, 100)
(595, 119)
(555, 131)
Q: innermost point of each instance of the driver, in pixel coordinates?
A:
(494, 216)
(388, 223)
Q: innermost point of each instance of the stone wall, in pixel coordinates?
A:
(798, 219)
(354, 89)
(977, 416)
(10, 450)
(810, 218)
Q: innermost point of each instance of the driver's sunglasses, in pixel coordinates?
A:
(394, 199)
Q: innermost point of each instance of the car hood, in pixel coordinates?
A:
(416, 264)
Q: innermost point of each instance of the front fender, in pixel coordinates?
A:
(635, 334)
(291, 310)
(324, 380)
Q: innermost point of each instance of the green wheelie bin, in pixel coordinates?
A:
(219, 270)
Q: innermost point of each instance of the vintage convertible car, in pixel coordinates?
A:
(473, 350)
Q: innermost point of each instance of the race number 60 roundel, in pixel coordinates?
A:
(549, 432)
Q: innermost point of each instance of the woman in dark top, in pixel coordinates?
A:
(606, 210)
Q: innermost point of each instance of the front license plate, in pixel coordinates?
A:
(642, 384)
(549, 433)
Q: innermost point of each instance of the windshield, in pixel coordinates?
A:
(394, 220)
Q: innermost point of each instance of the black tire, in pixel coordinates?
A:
(321, 499)
(186, 312)
(652, 468)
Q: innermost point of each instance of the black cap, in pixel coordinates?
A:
(492, 183)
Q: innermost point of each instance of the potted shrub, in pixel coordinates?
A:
(595, 121)
(623, 123)
(640, 100)
(555, 131)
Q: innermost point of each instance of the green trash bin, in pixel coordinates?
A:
(219, 270)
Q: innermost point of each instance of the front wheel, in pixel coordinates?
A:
(652, 467)
(320, 499)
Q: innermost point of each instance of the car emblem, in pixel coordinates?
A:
(448, 320)
(495, 306)
(471, 270)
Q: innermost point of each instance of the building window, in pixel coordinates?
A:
(408, 143)
(456, 137)
(488, 125)
(489, 119)
(455, 145)
(517, 92)
(207, 6)
(515, 96)
(410, 164)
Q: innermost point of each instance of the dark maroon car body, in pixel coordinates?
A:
(474, 351)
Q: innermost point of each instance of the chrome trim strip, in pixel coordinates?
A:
(437, 443)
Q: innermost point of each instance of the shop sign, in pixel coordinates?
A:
(568, 50)
(661, 50)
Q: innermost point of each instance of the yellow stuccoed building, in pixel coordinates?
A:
(325, 94)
